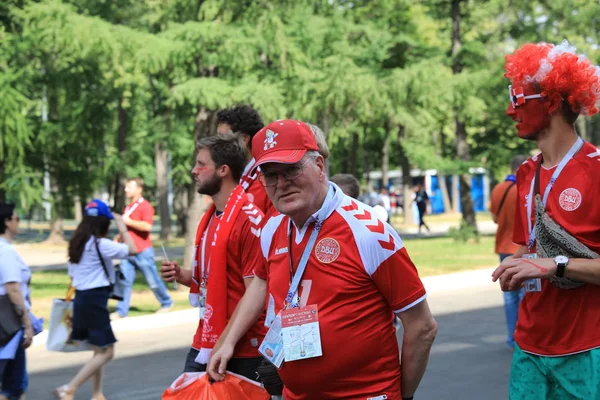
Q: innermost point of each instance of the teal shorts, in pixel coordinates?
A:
(570, 377)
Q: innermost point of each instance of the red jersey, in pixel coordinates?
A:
(358, 274)
(141, 210)
(557, 321)
(243, 255)
(256, 191)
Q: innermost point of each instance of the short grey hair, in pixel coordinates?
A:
(320, 138)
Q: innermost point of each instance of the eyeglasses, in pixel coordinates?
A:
(293, 172)
(517, 97)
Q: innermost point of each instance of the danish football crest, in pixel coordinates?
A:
(270, 139)
(570, 199)
(327, 250)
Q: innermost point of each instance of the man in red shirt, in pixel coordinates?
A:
(244, 121)
(227, 252)
(557, 353)
(503, 205)
(349, 273)
(139, 217)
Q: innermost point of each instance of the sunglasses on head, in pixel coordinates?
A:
(517, 96)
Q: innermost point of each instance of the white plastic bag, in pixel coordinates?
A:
(60, 326)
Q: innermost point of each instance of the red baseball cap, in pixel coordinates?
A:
(284, 141)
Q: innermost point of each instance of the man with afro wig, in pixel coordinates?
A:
(557, 225)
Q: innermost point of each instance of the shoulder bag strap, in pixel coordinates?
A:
(102, 262)
(504, 197)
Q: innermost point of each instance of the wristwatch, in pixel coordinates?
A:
(561, 263)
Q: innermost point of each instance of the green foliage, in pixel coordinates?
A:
(464, 233)
(90, 87)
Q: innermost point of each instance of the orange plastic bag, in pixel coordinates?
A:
(196, 386)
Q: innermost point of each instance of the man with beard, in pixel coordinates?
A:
(227, 251)
(557, 352)
(337, 273)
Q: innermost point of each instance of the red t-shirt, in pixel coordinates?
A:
(358, 274)
(556, 321)
(141, 210)
(243, 255)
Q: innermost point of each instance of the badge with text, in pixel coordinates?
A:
(301, 334)
(532, 285)
(202, 301)
(272, 345)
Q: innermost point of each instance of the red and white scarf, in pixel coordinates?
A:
(247, 178)
(215, 315)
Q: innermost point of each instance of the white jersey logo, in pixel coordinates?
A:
(570, 199)
(283, 250)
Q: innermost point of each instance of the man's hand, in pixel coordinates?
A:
(217, 364)
(513, 272)
(170, 271)
(27, 336)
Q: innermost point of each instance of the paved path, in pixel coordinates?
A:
(469, 360)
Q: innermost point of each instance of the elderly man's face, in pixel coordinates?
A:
(295, 197)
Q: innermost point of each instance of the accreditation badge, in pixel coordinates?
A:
(272, 345)
(202, 301)
(532, 285)
(301, 333)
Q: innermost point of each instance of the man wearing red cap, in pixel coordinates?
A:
(226, 253)
(557, 352)
(336, 273)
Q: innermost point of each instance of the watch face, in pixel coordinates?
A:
(561, 260)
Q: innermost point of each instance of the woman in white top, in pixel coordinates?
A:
(93, 285)
(14, 282)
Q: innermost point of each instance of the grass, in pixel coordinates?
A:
(439, 256)
(435, 256)
(47, 285)
(437, 219)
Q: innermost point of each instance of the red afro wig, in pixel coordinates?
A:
(559, 72)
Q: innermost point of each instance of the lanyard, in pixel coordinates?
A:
(530, 200)
(291, 298)
(130, 210)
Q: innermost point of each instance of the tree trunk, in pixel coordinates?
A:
(354, 154)
(595, 131)
(77, 209)
(463, 153)
(385, 158)
(462, 146)
(203, 126)
(57, 234)
(2, 191)
(445, 195)
(180, 206)
(438, 144)
(161, 161)
(194, 213)
(406, 180)
(123, 116)
(365, 155)
(455, 194)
